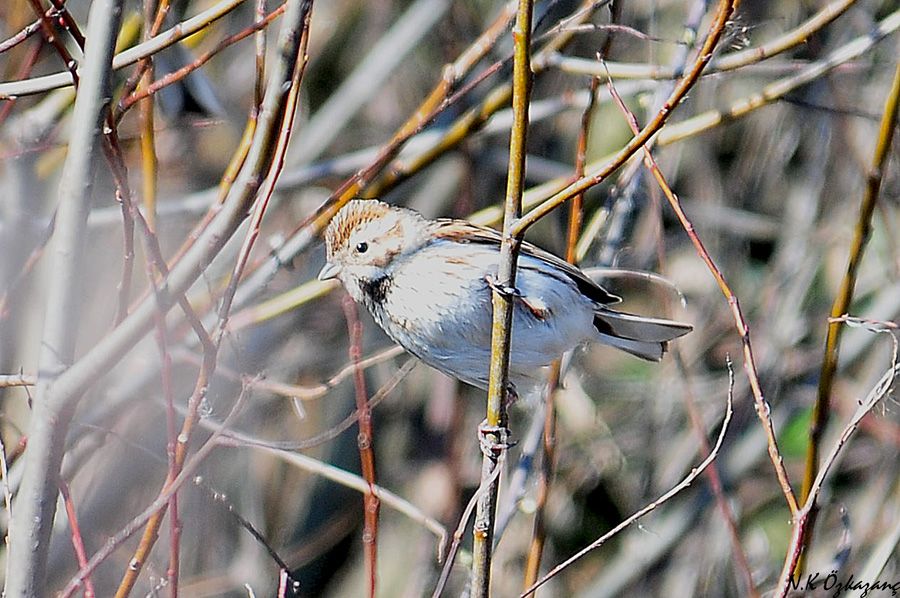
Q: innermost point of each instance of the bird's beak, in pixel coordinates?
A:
(329, 271)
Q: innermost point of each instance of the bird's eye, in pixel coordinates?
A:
(362, 247)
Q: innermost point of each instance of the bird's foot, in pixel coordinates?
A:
(493, 440)
(507, 291)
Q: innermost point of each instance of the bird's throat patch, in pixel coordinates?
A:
(376, 291)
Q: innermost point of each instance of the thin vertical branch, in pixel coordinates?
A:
(36, 504)
(498, 385)
(371, 504)
(77, 539)
(842, 301)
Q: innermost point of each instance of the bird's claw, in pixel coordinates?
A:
(502, 289)
(493, 440)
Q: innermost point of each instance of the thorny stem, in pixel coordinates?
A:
(841, 305)
(501, 330)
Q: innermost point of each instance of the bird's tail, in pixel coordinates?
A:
(644, 337)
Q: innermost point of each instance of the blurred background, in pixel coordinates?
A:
(769, 154)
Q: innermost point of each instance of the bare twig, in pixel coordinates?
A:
(687, 481)
(364, 442)
(77, 540)
(712, 473)
(802, 518)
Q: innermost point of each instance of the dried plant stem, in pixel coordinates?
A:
(841, 305)
(802, 518)
(36, 500)
(687, 481)
(498, 384)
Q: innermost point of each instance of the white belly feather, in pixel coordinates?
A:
(441, 307)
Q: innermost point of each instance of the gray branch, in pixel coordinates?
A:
(35, 504)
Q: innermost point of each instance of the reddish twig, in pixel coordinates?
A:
(762, 407)
(184, 71)
(49, 30)
(77, 540)
(712, 473)
(364, 441)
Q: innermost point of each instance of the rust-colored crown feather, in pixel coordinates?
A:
(350, 217)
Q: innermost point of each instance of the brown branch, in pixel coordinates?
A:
(712, 472)
(803, 517)
(762, 407)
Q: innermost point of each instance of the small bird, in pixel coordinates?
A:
(428, 284)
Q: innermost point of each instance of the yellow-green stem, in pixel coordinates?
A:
(483, 527)
(844, 297)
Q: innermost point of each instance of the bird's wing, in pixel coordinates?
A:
(461, 231)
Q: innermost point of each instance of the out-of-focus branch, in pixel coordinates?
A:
(128, 57)
(35, 503)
